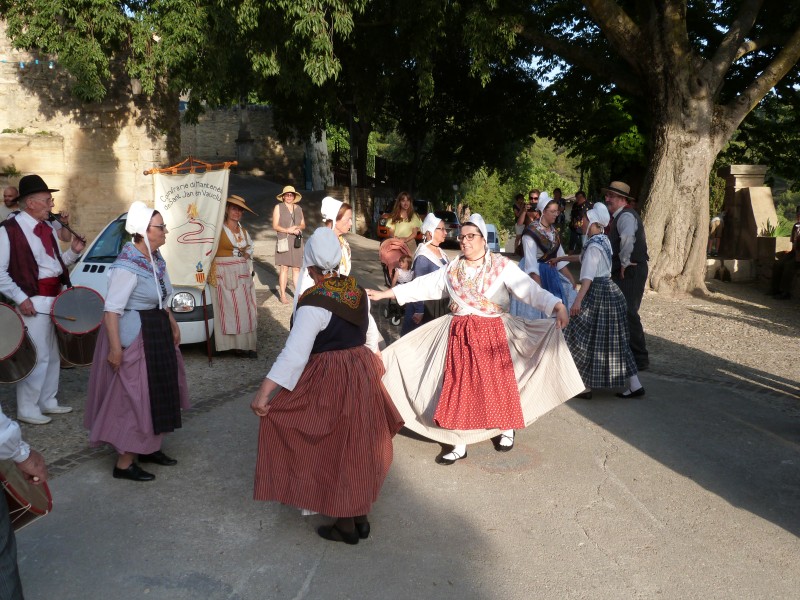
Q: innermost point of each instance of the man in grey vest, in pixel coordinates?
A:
(629, 266)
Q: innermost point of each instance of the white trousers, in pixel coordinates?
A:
(38, 390)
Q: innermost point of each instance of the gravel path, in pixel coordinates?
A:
(737, 337)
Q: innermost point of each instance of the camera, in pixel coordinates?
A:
(298, 240)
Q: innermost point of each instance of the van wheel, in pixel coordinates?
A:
(396, 320)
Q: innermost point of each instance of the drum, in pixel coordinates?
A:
(17, 352)
(77, 314)
(26, 502)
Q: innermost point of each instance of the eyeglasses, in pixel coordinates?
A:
(468, 237)
(162, 227)
(533, 197)
(441, 229)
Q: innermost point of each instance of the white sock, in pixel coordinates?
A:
(634, 383)
(459, 449)
(506, 441)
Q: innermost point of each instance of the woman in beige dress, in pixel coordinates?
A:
(288, 222)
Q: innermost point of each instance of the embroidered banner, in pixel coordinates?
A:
(193, 207)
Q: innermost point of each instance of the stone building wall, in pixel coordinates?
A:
(214, 137)
(95, 154)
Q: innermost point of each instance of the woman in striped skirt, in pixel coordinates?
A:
(597, 334)
(325, 438)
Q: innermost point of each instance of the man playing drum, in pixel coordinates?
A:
(31, 463)
(32, 273)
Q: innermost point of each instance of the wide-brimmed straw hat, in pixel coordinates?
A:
(239, 201)
(289, 189)
(619, 187)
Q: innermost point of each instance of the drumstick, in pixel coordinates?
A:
(66, 318)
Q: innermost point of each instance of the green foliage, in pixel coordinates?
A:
(485, 193)
(10, 171)
(769, 230)
(14, 130)
(717, 192)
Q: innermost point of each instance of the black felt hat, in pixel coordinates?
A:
(32, 184)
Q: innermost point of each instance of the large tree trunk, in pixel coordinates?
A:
(676, 212)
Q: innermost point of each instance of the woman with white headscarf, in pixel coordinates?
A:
(137, 386)
(429, 258)
(597, 335)
(325, 437)
(336, 215)
(478, 373)
(541, 241)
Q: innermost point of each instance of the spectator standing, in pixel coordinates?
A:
(10, 195)
(629, 267)
(576, 219)
(784, 269)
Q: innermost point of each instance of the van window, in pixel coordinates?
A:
(109, 244)
(490, 239)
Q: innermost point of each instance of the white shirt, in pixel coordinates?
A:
(518, 284)
(11, 444)
(626, 228)
(48, 266)
(308, 322)
(121, 284)
(532, 251)
(595, 263)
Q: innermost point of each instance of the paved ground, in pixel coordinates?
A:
(691, 492)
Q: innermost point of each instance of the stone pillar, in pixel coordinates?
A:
(244, 140)
(749, 206)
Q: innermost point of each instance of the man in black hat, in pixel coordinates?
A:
(784, 269)
(629, 262)
(33, 272)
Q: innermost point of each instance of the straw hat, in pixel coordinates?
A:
(619, 187)
(289, 189)
(239, 201)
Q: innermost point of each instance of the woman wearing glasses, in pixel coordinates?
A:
(478, 373)
(430, 258)
(137, 385)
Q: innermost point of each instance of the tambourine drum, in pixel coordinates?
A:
(77, 314)
(26, 502)
(17, 352)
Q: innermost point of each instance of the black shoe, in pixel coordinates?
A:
(584, 395)
(334, 534)
(498, 446)
(363, 529)
(441, 460)
(134, 473)
(629, 394)
(159, 458)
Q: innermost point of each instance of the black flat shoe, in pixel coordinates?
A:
(159, 458)
(362, 529)
(441, 460)
(629, 394)
(584, 395)
(500, 447)
(334, 534)
(134, 473)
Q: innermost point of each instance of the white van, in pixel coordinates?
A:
(92, 271)
(492, 240)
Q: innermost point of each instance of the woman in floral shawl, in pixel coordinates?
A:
(478, 373)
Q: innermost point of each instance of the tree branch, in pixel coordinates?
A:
(622, 33)
(786, 59)
(729, 49)
(585, 59)
(754, 45)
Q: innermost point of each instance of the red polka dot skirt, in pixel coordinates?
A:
(479, 389)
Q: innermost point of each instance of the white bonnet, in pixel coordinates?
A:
(477, 220)
(330, 208)
(599, 214)
(544, 200)
(139, 215)
(430, 223)
(323, 250)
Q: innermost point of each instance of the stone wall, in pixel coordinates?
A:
(95, 154)
(214, 139)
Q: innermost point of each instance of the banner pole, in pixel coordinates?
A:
(205, 321)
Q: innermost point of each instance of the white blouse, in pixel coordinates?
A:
(595, 263)
(533, 252)
(308, 322)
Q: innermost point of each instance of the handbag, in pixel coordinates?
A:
(283, 245)
(298, 240)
